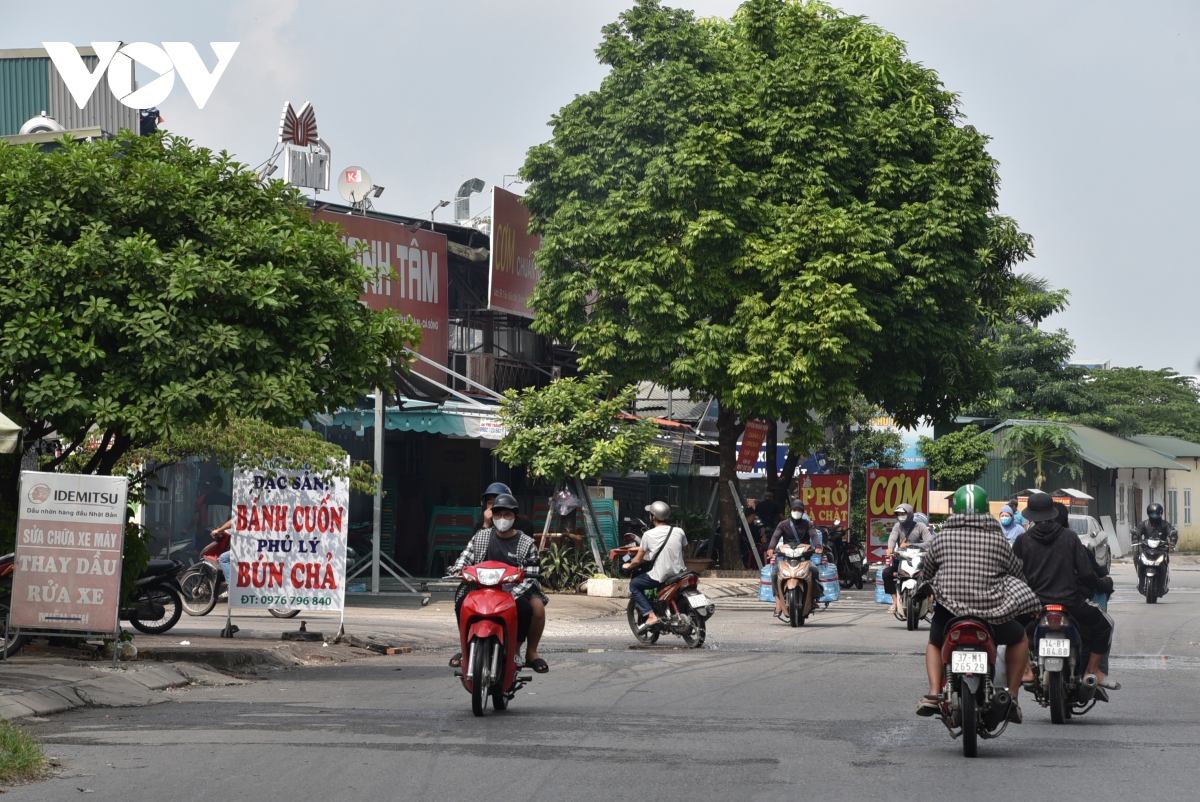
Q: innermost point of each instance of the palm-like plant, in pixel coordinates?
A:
(1033, 447)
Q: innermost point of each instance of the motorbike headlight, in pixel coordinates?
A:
(489, 576)
(1154, 544)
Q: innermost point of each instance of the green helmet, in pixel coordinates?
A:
(970, 498)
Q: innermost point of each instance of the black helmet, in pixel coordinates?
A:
(505, 502)
(1154, 512)
(495, 489)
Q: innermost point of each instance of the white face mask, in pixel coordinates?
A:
(504, 524)
(797, 515)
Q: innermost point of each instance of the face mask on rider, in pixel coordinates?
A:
(1006, 519)
(504, 524)
(797, 515)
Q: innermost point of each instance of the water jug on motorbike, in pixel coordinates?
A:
(1058, 661)
(487, 628)
(796, 581)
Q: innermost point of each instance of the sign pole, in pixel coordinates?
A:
(592, 525)
(745, 524)
(377, 525)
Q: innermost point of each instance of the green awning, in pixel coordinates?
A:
(453, 421)
(10, 436)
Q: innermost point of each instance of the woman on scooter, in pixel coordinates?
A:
(502, 542)
(793, 530)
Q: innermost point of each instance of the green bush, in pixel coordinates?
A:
(564, 569)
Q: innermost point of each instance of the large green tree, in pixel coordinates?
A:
(1139, 401)
(149, 287)
(780, 210)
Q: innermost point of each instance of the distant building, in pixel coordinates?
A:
(1181, 490)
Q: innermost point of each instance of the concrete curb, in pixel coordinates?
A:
(123, 686)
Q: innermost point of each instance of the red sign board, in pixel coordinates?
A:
(512, 272)
(418, 260)
(887, 490)
(752, 440)
(826, 498)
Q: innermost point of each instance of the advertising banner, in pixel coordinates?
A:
(887, 490)
(418, 259)
(70, 531)
(289, 542)
(752, 441)
(826, 498)
(511, 270)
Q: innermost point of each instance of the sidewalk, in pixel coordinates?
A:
(193, 653)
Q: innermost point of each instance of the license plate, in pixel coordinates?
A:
(854, 558)
(968, 662)
(698, 601)
(1054, 647)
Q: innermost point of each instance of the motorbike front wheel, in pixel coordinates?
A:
(479, 693)
(970, 723)
(278, 613)
(635, 620)
(695, 638)
(199, 591)
(172, 606)
(912, 615)
(14, 643)
(1152, 593)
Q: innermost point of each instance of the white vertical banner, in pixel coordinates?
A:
(289, 540)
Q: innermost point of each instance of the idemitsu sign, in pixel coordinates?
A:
(70, 532)
(289, 542)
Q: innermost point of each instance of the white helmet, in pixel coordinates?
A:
(660, 510)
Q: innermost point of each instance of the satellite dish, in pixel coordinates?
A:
(41, 124)
(353, 184)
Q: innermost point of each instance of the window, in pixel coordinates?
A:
(1187, 506)
(1173, 505)
(1121, 503)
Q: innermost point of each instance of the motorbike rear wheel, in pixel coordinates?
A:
(912, 615)
(635, 620)
(1058, 704)
(172, 610)
(199, 591)
(14, 644)
(695, 638)
(278, 613)
(858, 578)
(970, 722)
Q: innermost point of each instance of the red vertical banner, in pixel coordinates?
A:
(887, 490)
(752, 439)
(512, 272)
(826, 498)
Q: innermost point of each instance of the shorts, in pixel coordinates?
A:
(1009, 633)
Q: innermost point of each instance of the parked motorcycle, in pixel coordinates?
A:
(971, 706)
(797, 581)
(157, 603)
(1153, 563)
(487, 630)
(681, 608)
(913, 607)
(202, 584)
(846, 555)
(1058, 663)
(13, 643)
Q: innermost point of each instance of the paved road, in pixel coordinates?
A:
(768, 713)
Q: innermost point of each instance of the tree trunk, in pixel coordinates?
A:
(773, 455)
(728, 429)
(788, 473)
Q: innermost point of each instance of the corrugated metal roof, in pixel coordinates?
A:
(102, 108)
(1106, 450)
(24, 91)
(1169, 446)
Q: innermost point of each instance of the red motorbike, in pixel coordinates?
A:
(487, 628)
(201, 585)
(971, 706)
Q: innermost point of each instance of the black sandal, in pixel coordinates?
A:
(456, 661)
(538, 665)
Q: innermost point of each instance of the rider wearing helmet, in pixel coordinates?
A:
(972, 570)
(503, 542)
(523, 524)
(1157, 526)
(662, 546)
(908, 531)
(792, 531)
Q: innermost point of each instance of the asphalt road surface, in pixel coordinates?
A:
(765, 712)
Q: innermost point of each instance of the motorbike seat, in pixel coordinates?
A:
(156, 567)
(671, 580)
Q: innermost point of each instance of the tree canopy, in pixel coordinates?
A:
(780, 210)
(148, 286)
(1140, 401)
(957, 458)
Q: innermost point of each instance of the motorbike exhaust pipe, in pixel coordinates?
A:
(998, 712)
(1087, 689)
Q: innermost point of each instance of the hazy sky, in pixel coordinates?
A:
(1091, 108)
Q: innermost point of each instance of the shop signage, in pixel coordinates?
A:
(305, 154)
(289, 541)
(826, 498)
(887, 490)
(752, 440)
(511, 270)
(409, 272)
(117, 60)
(491, 429)
(67, 572)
